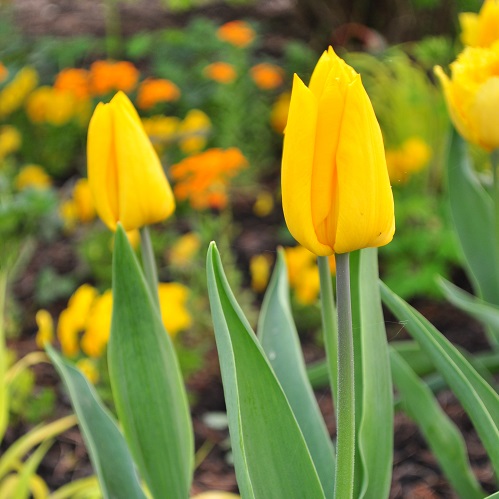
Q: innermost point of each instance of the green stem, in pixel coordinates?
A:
(329, 322)
(113, 29)
(494, 157)
(4, 406)
(345, 410)
(148, 263)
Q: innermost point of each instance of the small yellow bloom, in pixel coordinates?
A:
(336, 193)
(481, 30)
(173, 304)
(279, 112)
(49, 105)
(98, 325)
(45, 333)
(264, 204)
(184, 249)
(237, 33)
(412, 156)
(33, 176)
(10, 140)
(259, 267)
(193, 131)
(89, 369)
(13, 95)
(82, 195)
(472, 94)
(126, 177)
(221, 72)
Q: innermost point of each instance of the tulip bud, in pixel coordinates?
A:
(124, 172)
(336, 193)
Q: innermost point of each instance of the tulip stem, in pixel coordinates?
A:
(148, 263)
(329, 323)
(494, 158)
(345, 408)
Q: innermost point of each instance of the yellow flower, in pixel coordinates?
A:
(173, 304)
(472, 94)
(33, 176)
(193, 131)
(264, 204)
(184, 249)
(259, 267)
(98, 326)
(126, 177)
(89, 369)
(481, 30)
(412, 156)
(82, 195)
(279, 112)
(237, 33)
(10, 140)
(14, 94)
(336, 192)
(53, 106)
(45, 333)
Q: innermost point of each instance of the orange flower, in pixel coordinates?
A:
(267, 76)
(222, 72)
(75, 81)
(237, 33)
(203, 178)
(107, 76)
(4, 72)
(151, 91)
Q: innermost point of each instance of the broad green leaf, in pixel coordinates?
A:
(375, 433)
(279, 339)
(411, 352)
(478, 399)
(271, 457)
(444, 439)
(473, 218)
(493, 496)
(107, 448)
(486, 313)
(146, 381)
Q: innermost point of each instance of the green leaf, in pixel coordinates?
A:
(375, 433)
(271, 457)
(279, 339)
(146, 381)
(478, 399)
(486, 313)
(473, 218)
(107, 448)
(411, 352)
(442, 435)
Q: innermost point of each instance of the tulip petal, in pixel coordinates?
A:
(365, 200)
(297, 163)
(483, 114)
(145, 197)
(102, 173)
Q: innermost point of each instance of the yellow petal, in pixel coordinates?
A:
(101, 165)
(365, 201)
(469, 28)
(145, 196)
(297, 163)
(484, 114)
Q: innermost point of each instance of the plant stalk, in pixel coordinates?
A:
(329, 323)
(345, 409)
(148, 263)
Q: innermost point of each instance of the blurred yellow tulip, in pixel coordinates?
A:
(472, 94)
(125, 175)
(481, 30)
(336, 193)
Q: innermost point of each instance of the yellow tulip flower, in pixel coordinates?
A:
(472, 94)
(124, 172)
(336, 193)
(481, 30)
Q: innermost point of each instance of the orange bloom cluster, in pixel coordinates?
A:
(110, 76)
(154, 90)
(237, 33)
(203, 178)
(4, 72)
(74, 81)
(267, 76)
(222, 72)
